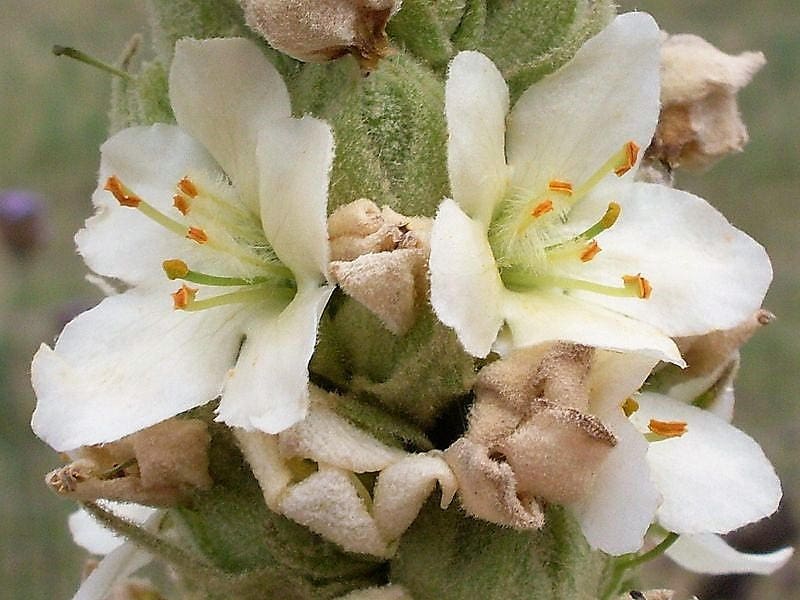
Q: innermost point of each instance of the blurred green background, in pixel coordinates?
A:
(54, 118)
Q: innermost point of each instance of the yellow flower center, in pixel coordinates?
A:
(530, 234)
(210, 215)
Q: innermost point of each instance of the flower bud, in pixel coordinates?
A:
(322, 30)
(21, 221)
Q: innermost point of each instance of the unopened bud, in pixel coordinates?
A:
(322, 30)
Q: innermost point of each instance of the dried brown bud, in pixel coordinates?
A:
(700, 122)
(530, 438)
(322, 30)
(379, 259)
(158, 466)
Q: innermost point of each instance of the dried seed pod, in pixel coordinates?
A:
(700, 121)
(322, 30)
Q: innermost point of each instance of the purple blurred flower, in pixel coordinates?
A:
(21, 220)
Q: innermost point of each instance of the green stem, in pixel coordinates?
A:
(174, 555)
(623, 565)
(91, 61)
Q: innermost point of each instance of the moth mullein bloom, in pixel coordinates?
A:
(229, 209)
(549, 237)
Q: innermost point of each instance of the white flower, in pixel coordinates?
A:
(713, 479)
(549, 237)
(234, 200)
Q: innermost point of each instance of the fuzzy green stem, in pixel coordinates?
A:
(623, 565)
(174, 555)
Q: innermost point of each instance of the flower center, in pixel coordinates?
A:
(531, 234)
(226, 234)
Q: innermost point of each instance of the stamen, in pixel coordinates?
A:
(184, 297)
(517, 278)
(631, 153)
(181, 202)
(591, 251)
(620, 163)
(640, 284)
(542, 208)
(246, 295)
(563, 187)
(606, 222)
(667, 429)
(127, 198)
(630, 406)
(177, 269)
(124, 196)
(188, 187)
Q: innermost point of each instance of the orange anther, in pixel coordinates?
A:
(197, 235)
(123, 195)
(667, 428)
(643, 287)
(188, 187)
(183, 297)
(181, 202)
(590, 251)
(564, 187)
(631, 153)
(542, 208)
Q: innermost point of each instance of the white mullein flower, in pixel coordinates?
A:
(549, 237)
(233, 202)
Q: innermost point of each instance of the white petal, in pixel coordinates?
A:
(714, 478)
(130, 362)
(466, 290)
(121, 242)
(263, 455)
(614, 377)
(402, 489)
(542, 316)
(570, 123)
(709, 553)
(295, 158)
(88, 533)
(622, 504)
(328, 504)
(268, 388)
(224, 92)
(705, 273)
(476, 104)
(325, 437)
(116, 566)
